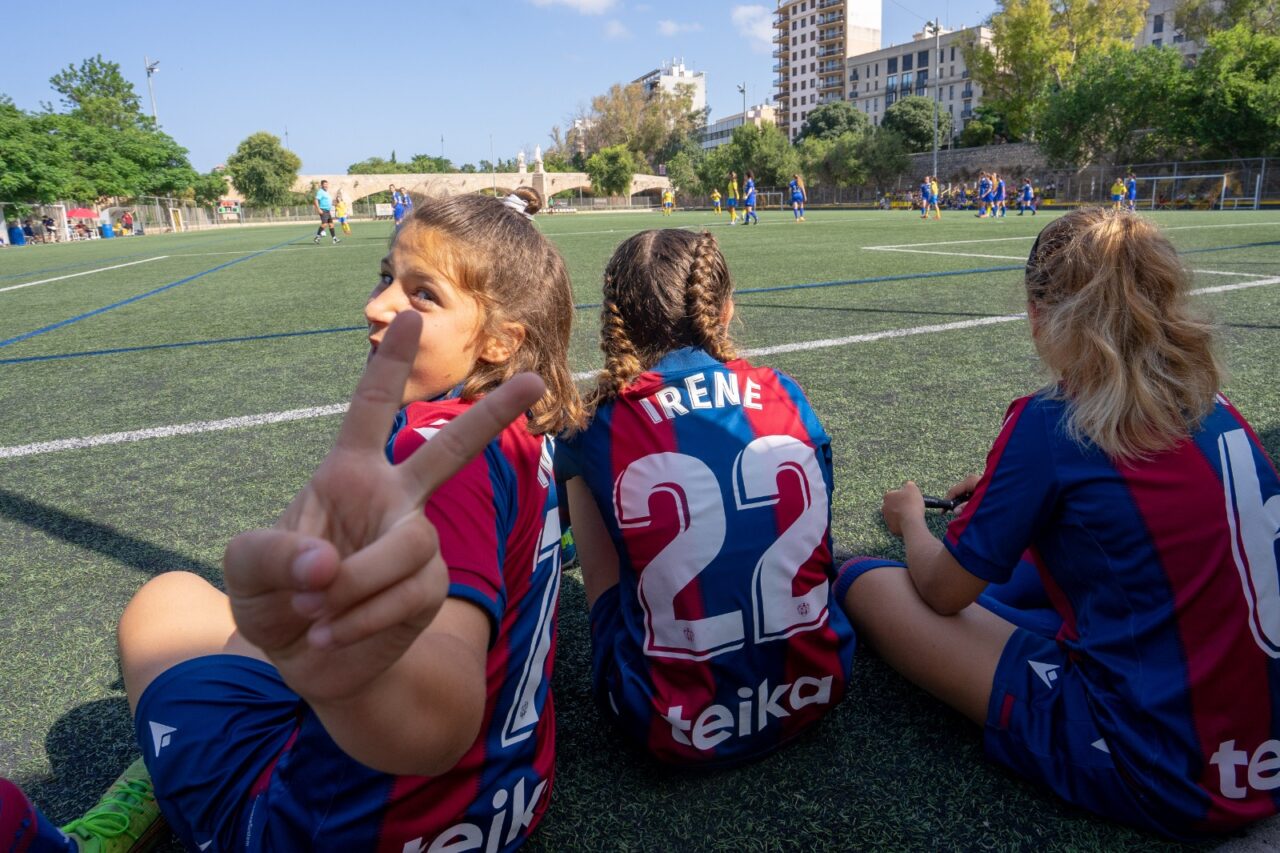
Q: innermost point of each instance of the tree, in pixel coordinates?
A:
(1035, 43)
(681, 172)
(835, 161)
(99, 93)
(912, 118)
(210, 188)
(976, 134)
(1122, 104)
(764, 150)
(884, 154)
(1235, 107)
(833, 120)
(263, 170)
(611, 170)
(1199, 19)
(653, 125)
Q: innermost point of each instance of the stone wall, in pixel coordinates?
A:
(1014, 160)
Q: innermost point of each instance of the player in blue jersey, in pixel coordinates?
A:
(1131, 190)
(397, 205)
(1026, 198)
(798, 197)
(749, 200)
(998, 197)
(926, 197)
(1137, 504)
(700, 498)
(377, 675)
(984, 195)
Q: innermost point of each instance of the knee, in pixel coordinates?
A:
(166, 595)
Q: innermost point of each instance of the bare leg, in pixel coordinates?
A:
(953, 657)
(175, 617)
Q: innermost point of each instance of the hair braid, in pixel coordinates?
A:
(621, 361)
(707, 291)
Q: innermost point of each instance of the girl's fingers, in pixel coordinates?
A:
(266, 561)
(389, 560)
(411, 601)
(467, 435)
(378, 395)
(964, 487)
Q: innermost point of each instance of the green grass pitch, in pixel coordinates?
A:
(910, 362)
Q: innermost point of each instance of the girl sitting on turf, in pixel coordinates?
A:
(377, 675)
(1140, 507)
(700, 497)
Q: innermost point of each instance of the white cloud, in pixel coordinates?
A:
(616, 30)
(674, 28)
(586, 7)
(755, 23)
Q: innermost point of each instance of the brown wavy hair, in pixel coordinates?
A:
(663, 290)
(1116, 329)
(501, 259)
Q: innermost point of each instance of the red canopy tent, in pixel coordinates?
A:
(82, 213)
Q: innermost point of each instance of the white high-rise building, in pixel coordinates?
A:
(813, 39)
(673, 74)
(1158, 30)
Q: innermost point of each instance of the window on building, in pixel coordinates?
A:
(906, 61)
(878, 69)
(922, 59)
(1157, 24)
(953, 71)
(907, 78)
(952, 90)
(794, 24)
(891, 83)
(1157, 42)
(953, 54)
(891, 66)
(1179, 38)
(793, 41)
(803, 37)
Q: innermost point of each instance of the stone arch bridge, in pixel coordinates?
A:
(356, 187)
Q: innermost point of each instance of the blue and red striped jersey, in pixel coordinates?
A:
(714, 481)
(499, 533)
(1164, 571)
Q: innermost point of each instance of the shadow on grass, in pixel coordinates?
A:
(121, 547)
(1271, 443)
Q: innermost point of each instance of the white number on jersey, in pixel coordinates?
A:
(1254, 526)
(700, 516)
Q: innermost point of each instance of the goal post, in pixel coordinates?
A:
(769, 198)
(1211, 191)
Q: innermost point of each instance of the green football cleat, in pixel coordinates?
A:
(126, 820)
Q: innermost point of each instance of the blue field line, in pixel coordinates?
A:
(182, 344)
(58, 325)
(1225, 248)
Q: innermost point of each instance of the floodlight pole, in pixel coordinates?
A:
(151, 70)
(742, 87)
(493, 167)
(937, 86)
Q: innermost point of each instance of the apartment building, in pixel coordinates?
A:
(672, 74)
(928, 66)
(1159, 31)
(813, 40)
(720, 132)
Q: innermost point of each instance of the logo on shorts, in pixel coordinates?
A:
(161, 735)
(1048, 672)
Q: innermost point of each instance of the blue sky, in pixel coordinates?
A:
(358, 79)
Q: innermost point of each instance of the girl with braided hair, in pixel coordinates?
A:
(700, 499)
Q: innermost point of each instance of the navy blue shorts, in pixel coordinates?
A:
(211, 730)
(733, 202)
(1040, 726)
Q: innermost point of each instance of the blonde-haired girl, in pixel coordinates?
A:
(1142, 505)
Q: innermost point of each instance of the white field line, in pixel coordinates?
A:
(948, 254)
(242, 422)
(1228, 272)
(86, 272)
(1234, 225)
(949, 243)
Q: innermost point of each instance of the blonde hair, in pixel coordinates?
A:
(1116, 329)
(663, 290)
(503, 261)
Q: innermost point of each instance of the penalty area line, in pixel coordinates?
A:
(78, 274)
(247, 421)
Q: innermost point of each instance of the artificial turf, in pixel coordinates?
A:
(242, 322)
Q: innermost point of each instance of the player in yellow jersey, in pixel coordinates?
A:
(715, 201)
(668, 202)
(732, 197)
